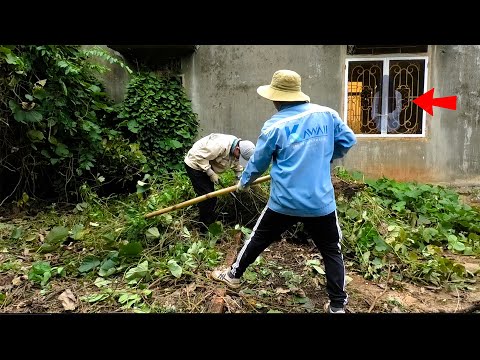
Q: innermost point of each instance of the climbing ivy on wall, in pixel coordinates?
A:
(159, 116)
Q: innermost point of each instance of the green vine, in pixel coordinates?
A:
(158, 115)
(56, 123)
(414, 230)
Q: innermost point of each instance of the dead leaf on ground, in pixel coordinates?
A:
(69, 302)
(191, 287)
(17, 280)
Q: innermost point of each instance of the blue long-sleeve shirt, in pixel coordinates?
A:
(300, 141)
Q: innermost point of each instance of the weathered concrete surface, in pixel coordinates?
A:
(455, 137)
(222, 81)
(116, 78)
(450, 153)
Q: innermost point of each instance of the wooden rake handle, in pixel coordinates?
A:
(203, 198)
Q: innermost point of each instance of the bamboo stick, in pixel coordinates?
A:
(203, 198)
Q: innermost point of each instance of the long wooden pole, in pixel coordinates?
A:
(202, 198)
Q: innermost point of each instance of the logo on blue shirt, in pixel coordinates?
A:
(312, 132)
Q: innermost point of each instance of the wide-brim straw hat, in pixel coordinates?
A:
(286, 85)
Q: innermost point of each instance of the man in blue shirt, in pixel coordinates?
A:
(300, 141)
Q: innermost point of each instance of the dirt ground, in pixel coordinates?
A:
(367, 296)
(259, 296)
(268, 292)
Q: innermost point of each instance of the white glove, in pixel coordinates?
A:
(238, 174)
(214, 178)
(212, 175)
(240, 187)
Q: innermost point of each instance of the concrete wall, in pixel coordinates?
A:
(221, 81)
(450, 152)
(116, 78)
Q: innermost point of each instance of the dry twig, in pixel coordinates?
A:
(380, 295)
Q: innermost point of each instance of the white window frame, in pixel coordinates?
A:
(386, 61)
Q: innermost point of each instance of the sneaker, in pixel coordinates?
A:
(224, 276)
(334, 310)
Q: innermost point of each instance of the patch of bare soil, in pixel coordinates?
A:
(269, 290)
(366, 296)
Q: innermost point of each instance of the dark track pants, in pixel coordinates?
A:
(203, 185)
(326, 234)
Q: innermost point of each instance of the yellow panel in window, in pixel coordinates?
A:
(354, 109)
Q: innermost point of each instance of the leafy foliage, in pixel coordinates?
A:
(157, 114)
(41, 272)
(409, 228)
(56, 123)
(126, 261)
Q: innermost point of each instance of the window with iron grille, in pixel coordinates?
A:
(379, 94)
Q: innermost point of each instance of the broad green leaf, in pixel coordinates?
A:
(319, 269)
(92, 298)
(45, 247)
(423, 220)
(13, 106)
(108, 264)
(300, 300)
(167, 218)
(19, 115)
(61, 150)
(175, 144)
(39, 93)
(78, 232)
(52, 140)
(12, 59)
(138, 272)
(17, 233)
(174, 268)
(89, 263)
(57, 235)
(46, 276)
(133, 126)
(60, 270)
(108, 237)
(399, 206)
(152, 233)
(35, 135)
(133, 248)
(452, 238)
(101, 282)
(215, 228)
(40, 267)
(380, 245)
(107, 268)
(250, 276)
(94, 88)
(352, 213)
(33, 116)
(105, 273)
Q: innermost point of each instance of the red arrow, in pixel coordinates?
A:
(427, 102)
